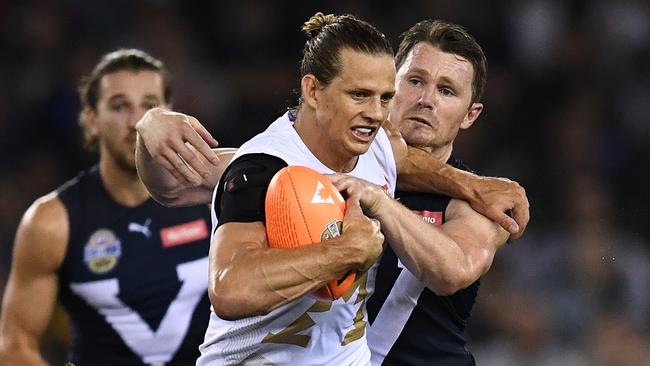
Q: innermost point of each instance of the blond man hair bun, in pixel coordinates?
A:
(316, 23)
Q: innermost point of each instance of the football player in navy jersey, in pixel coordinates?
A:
(418, 317)
(131, 274)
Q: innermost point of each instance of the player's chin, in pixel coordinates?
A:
(358, 148)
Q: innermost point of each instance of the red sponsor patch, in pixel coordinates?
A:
(184, 233)
(432, 217)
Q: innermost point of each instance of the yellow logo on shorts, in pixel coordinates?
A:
(102, 251)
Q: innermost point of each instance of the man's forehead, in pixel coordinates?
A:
(127, 81)
(367, 70)
(425, 57)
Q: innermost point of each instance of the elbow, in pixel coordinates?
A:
(447, 284)
(234, 301)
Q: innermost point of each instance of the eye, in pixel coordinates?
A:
(150, 105)
(415, 82)
(120, 106)
(359, 95)
(447, 92)
(385, 99)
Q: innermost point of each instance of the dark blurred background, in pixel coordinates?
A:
(567, 115)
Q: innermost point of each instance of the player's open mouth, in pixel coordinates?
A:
(365, 134)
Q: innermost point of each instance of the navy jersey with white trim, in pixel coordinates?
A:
(410, 324)
(134, 280)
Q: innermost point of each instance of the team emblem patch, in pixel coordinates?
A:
(102, 251)
(332, 230)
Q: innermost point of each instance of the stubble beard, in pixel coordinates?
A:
(123, 160)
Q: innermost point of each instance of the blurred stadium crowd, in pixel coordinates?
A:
(567, 115)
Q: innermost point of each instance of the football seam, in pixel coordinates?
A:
(302, 215)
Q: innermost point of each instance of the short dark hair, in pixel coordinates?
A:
(328, 34)
(122, 59)
(450, 38)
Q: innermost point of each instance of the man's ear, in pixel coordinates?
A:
(309, 86)
(474, 111)
(89, 118)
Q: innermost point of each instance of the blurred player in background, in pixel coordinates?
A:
(416, 320)
(130, 273)
(261, 313)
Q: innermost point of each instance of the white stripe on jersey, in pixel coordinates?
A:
(393, 315)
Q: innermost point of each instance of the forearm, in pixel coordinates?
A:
(431, 255)
(161, 184)
(262, 279)
(166, 188)
(421, 172)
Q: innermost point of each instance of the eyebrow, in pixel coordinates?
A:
(443, 78)
(418, 70)
(123, 96)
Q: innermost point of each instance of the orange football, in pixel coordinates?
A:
(303, 207)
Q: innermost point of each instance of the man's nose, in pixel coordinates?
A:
(377, 111)
(427, 98)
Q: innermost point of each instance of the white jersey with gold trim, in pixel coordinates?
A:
(308, 330)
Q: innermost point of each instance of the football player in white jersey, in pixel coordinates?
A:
(347, 83)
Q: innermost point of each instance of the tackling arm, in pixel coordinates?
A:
(492, 197)
(477, 236)
(446, 259)
(32, 289)
(175, 162)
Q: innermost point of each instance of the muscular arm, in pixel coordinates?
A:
(31, 292)
(492, 197)
(449, 258)
(478, 237)
(248, 278)
(446, 259)
(174, 162)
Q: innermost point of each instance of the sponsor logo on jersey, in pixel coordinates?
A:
(432, 217)
(332, 230)
(102, 251)
(184, 233)
(318, 198)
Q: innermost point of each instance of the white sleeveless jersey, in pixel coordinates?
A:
(308, 330)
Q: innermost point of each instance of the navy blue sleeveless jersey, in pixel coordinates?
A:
(134, 280)
(410, 324)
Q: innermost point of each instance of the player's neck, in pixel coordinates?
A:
(123, 185)
(316, 142)
(442, 153)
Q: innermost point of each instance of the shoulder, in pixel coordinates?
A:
(253, 169)
(43, 232)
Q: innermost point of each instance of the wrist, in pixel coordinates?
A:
(381, 208)
(342, 255)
